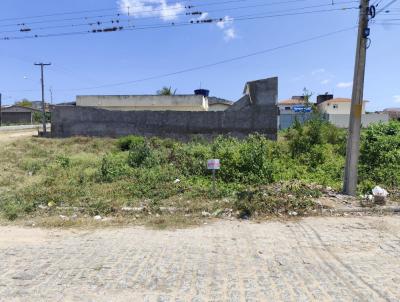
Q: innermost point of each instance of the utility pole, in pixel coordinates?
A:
(0, 111)
(51, 95)
(43, 102)
(353, 141)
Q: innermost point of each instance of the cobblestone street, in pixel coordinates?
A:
(314, 259)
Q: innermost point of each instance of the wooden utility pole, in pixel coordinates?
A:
(353, 141)
(44, 120)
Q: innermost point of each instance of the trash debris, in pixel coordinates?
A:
(177, 181)
(64, 217)
(205, 214)
(97, 217)
(132, 209)
(380, 195)
(292, 213)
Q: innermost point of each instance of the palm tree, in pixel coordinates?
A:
(166, 91)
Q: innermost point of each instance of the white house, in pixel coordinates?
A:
(287, 106)
(337, 106)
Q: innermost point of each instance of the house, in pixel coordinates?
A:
(394, 113)
(18, 115)
(337, 112)
(295, 104)
(337, 106)
(200, 101)
(218, 104)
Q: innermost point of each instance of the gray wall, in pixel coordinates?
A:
(339, 120)
(85, 121)
(261, 116)
(287, 120)
(342, 120)
(16, 117)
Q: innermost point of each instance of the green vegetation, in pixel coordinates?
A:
(166, 91)
(258, 176)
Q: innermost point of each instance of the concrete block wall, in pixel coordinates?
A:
(342, 120)
(70, 121)
(260, 116)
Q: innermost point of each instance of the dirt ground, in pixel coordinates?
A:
(9, 136)
(313, 259)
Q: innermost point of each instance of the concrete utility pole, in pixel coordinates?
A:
(0, 111)
(43, 102)
(353, 141)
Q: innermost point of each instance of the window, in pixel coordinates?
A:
(287, 108)
(335, 106)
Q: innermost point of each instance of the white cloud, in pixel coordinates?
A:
(325, 82)
(229, 34)
(151, 8)
(344, 85)
(318, 71)
(225, 22)
(203, 16)
(226, 25)
(396, 98)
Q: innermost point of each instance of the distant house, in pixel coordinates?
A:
(394, 113)
(337, 111)
(17, 115)
(218, 104)
(200, 101)
(295, 104)
(337, 106)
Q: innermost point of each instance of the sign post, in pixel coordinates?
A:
(213, 164)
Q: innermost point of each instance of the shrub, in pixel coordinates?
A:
(125, 143)
(140, 154)
(380, 154)
(63, 161)
(113, 167)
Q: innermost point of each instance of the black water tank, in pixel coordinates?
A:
(324, 97)
(203, 92)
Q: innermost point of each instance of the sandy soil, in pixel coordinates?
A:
(9, 136)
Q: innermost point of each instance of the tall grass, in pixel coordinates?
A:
(99, 176)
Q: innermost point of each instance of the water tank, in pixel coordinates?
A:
(203, 92)
(324, 97)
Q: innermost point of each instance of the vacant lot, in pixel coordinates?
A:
(314, 259)
(167, 180)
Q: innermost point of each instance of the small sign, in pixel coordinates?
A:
(213, 164)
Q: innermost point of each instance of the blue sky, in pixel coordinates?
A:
(92, 60)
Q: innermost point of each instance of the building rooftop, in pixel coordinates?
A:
(291, 102)
(212, 100)
(339, 100)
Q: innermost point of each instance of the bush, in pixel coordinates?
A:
(63, 161)
(380, 154)
(125, 143)
(113, 167)
(140, 154)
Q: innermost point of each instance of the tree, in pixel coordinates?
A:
(166, 91)
(307, 94)
(24, 103)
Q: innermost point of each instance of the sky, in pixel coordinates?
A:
(95, 63)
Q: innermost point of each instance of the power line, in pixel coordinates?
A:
(117, 21)
(172, 25)
(118, 15)
(386, 6)
(148, 11)
(216, 63)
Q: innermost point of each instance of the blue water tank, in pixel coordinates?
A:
(203, 92)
